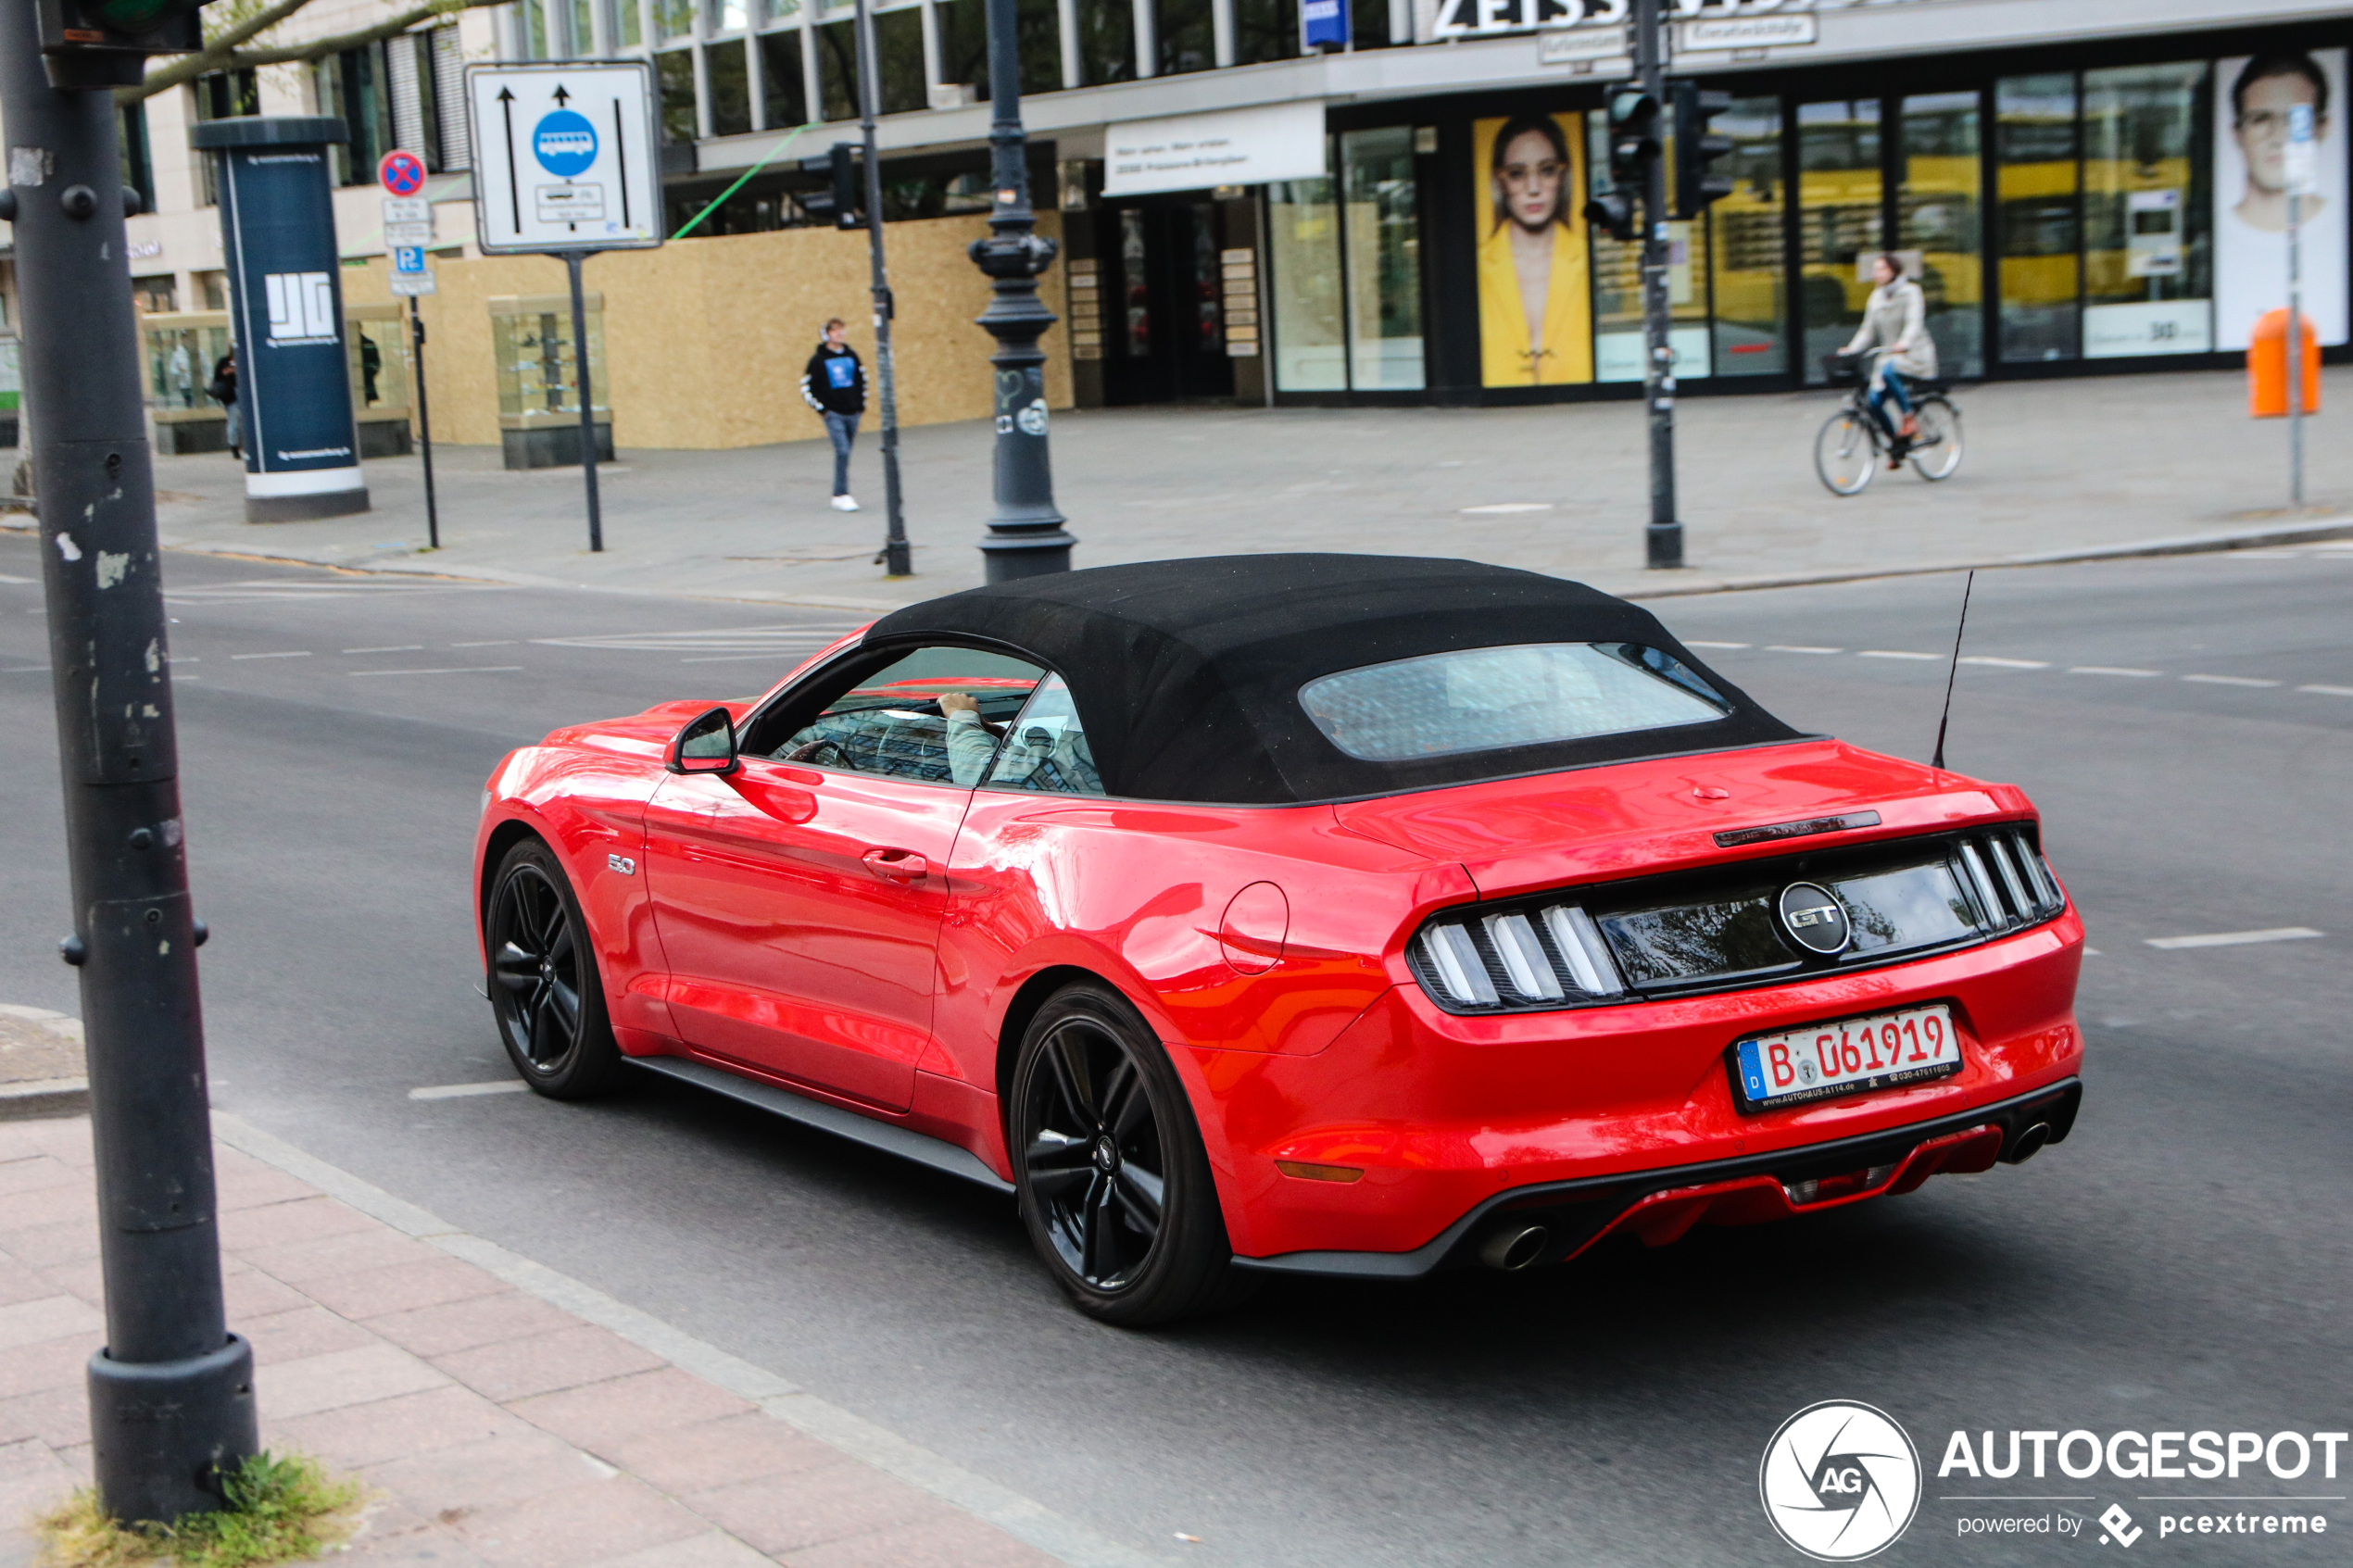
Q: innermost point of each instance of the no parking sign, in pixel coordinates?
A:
(401, 173)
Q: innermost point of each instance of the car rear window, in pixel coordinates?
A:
(1485, 699)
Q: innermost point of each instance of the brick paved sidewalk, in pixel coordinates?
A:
(495, 1427)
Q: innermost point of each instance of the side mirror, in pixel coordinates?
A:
(706, 746)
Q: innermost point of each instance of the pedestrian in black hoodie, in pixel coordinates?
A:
(835, 384)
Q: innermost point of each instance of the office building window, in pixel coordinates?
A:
(531, 29)
(416, 110)
(784, 97)
(1188, 34)
(673, 19)
(628, 24)
(1266, 29)
(224, 95)
(1106, 40)
(449, 99)
(837, 70)
(352, 87)
(2035, 228)
(580, 29)
(1937, 215)
(728, 16)
(131, 143)
(1840, 222)
(2148, 251)
(674, 76)
(729, 76)
(963, 45)
(1744, 244)
(1369, 25)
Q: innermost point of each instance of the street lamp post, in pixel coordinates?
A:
(171, 1393)
(1026, 537)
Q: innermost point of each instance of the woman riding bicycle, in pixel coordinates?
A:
(1896, 323)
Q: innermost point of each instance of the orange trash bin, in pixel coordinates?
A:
(2267, 366)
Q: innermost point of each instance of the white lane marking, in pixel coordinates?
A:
(1898, 653)
(183, 659)
(1696, 643)
(715, 639)
(304, 654)
(34, 670)
(728, 658)
(501, 643)
(404, 647)
(454, 670)
(1792, 648)
(1497, 508)
(1080, 1546)
(2328, 691)
(2238, 938)
(2113, 669)
(2228, 680)
(1991, 663)
(467, 1091)
(6, 578)
(269, 589)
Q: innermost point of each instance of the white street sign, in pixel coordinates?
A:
(413, 282)
(397, 234)
(2301, 165)
(565, 156)
(406, 210)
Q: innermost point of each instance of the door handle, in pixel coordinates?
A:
(896, 865)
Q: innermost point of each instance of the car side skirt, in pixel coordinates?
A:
(1608, 1198)
(904, 1142)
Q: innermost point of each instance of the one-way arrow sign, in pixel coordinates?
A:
(567, 157)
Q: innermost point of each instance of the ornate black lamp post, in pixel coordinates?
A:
(1027, 538)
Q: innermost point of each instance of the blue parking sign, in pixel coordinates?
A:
(407, 259)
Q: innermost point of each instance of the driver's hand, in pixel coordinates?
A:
(953, 703)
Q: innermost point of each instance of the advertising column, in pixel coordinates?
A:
(278, 244)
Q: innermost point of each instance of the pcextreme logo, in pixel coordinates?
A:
(1841, 1481)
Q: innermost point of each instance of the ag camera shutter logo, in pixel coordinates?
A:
(1841, 1481)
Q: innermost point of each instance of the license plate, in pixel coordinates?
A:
(1848, 1057)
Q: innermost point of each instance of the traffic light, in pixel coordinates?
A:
(87, 44)
(1633, 145)
(840, 199)
(1696, 147)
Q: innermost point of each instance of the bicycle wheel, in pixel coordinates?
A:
(1846, 452)
(1936, 451)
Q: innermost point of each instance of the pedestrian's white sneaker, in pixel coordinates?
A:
(845, 504)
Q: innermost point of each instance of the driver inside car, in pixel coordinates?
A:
(970, 740)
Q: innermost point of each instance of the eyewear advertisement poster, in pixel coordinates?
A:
(1535, 301)
(2255, 99)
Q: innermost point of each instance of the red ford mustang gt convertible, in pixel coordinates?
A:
(1339, 915)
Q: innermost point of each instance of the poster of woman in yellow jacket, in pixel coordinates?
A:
(1535, 310)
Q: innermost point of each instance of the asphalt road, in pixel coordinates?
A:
(2182, 1262)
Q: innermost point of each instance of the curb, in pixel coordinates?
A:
(2188, 545)
(45, 1099)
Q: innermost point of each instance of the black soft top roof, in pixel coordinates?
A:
(1186, 673)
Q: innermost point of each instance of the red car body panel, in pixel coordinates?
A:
(1265, 945)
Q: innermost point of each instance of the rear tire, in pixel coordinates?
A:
(1114, 1183)
(1846, 452)
(544, 990)
(1936, 451)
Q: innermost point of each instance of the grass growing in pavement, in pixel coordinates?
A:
(280, 1509)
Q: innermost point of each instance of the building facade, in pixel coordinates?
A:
(2080, 185)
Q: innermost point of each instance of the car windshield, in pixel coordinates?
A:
(1484, 700)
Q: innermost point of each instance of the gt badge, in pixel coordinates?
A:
(621, 863)
(1815, 920)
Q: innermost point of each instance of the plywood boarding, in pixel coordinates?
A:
(705, 339)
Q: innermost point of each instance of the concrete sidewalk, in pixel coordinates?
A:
(492, 1425)
(2052, 469)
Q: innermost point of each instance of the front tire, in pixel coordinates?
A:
(1114, 1183)
(545, 991)
(1846, 452)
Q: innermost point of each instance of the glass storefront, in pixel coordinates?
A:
(2116, 211)
(1346, 255)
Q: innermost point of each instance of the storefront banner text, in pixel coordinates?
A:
(1234, 147)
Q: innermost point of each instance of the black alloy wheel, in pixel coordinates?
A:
(544, 986)
(1115, 1186)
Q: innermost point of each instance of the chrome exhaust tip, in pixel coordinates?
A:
(2028, 1143)
(1513, 1247)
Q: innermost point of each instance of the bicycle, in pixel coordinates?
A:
(1852, 441)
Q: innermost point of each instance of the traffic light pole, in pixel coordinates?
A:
(171, 1393)
(898, 558)
(1663, 538)
(424, 422)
